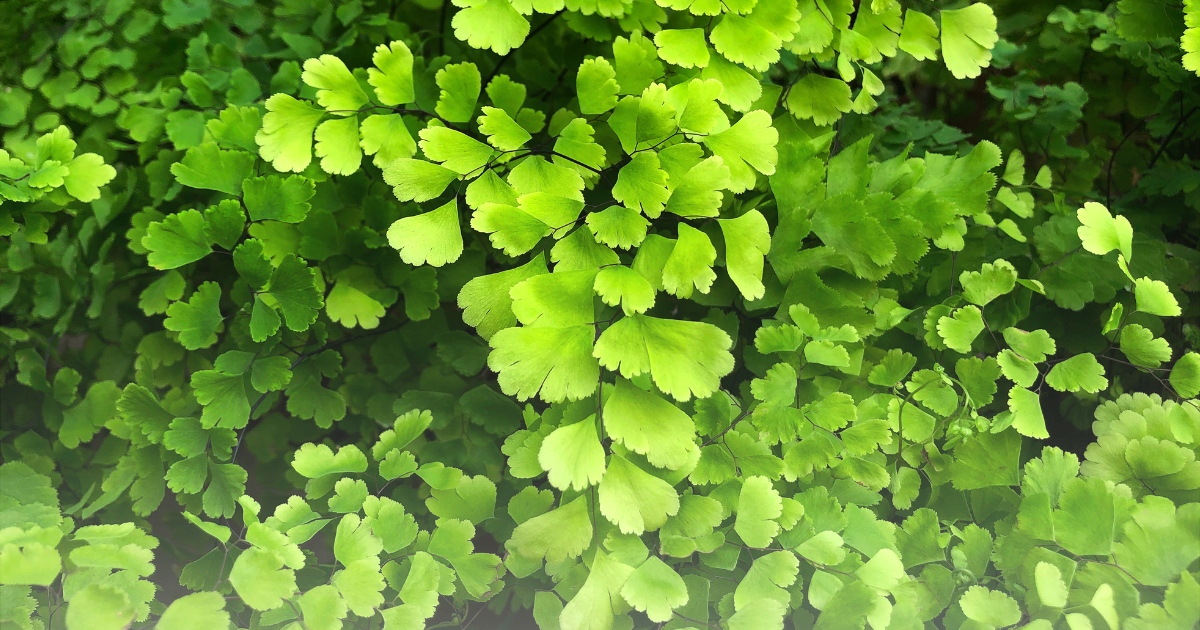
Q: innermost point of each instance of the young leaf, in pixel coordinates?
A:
(433, 238)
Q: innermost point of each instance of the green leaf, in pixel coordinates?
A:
(634, 500)
(1051, 589)
(682, 47)
(1101, 233)
(698, 193)
(277, 199)
(1026, 408)
(198, 319)
(572, 455)
(338, 146)
(100, 606)
(502, 131)
(1142, 348)
(767, 579)
(198, 611)
(988, 607)
(655, 589)
(455, 150)
(559, 534)
(919, 36)
(990, 282)
(177, 240)
(318, 460)
(493, 24)
(485, 299)
(684, 358)
(1185, 375)
(337, 89)
(1155, 298)
(87, 173)
(742, 40)
(294, 290)
(392, 76)
(757, 508)
(34, 563)
(227, 483)
(211, 167)
(622, 285)
(1080, 372)
(987, 459)
(1033, 346)
(596, 86)
(1085, 520)
(224, 223)
(690, 263)
(553, 363)
(747, 242)
(323, 608)
(823, 99)
(642, 185)
(648, 425)
(433, 238)
(746, 147)
(460, 85)
(387, 138)
(960, 329)
(968, 35)
(824, 548)
(417, 180)
(287, 133)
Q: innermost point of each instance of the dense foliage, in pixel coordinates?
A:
(599, 314)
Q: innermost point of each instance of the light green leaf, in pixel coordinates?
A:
(648, 425)
(757, 508)
(1185, 375)
(1101, 232)
(392, 76)
(1026, 408)
(177, 240)
(337, 89)
(919, 36)
(572, 455)
(968, 35)
(338, 146)
(198, 319)
(287, 133)
(684, 358)
(746, 147)
(559, 534)
(460, 86)
(642, 185)
(433, 238)
(1155, 298)
(1142, 348)
(823, 99)
(655, 589)
(1080, 372)
(989, 607)
(682, 47)
(493, 24)
(553, 363)
(198, 611)
(747, 242)
(960, 329)
(502, 131)
(597, 86)
(417, 180)
(634, 500)
(690, 263)
(990, 282)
